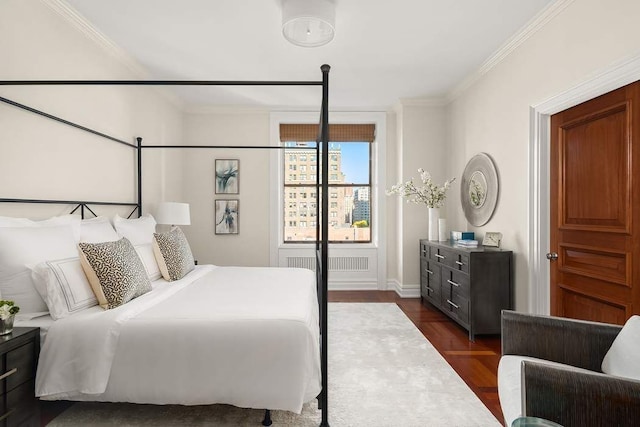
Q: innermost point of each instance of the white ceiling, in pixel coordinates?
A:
(383, 50)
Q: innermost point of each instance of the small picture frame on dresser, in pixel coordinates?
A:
(492, 238)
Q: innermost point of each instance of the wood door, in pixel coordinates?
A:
(595, 208)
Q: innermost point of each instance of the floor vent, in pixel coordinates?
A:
(348, 263)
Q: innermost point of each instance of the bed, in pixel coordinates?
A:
(246, 336)
(219, 335)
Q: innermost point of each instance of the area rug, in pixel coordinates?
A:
(382, 372)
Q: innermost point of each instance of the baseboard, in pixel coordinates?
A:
(353, 286)
(406, 290)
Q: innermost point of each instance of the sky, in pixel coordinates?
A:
(355, 162)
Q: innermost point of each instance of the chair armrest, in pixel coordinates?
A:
(575, 398)
(573, 342)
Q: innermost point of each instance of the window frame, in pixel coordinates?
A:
(333, 195)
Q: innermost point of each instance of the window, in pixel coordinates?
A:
(349, 191)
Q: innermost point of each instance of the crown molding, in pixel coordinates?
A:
(79, 22)
(533, 26)
(225, 109)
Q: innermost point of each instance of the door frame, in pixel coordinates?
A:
(613, 77)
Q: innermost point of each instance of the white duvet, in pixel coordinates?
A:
(237, 335)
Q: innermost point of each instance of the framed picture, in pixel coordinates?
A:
(227, 176)
(226, 216)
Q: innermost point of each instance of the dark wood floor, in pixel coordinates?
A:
(475, 362)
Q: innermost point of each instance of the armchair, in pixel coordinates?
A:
(551, 368)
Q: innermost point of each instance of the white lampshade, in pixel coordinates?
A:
(173, 213)
(308, 23)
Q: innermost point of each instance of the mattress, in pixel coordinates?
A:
(243, 336)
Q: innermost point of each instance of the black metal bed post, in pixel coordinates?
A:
(139, 151)
(325, 243)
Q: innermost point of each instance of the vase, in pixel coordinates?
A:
(434, 214)
(6, 325)
(442, 230)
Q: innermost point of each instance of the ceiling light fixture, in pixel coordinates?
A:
(308, 23)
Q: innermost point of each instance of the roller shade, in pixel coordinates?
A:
(337, 132)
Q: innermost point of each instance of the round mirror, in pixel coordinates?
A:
(479, 189)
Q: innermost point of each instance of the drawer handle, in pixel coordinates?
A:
(460, 263)
(452, 304)
(7, 374)
(428, 271)
(429, 289)
(453, 283)
(440, 256)
(11, 411)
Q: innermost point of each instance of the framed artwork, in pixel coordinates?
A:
(226, 216)
(227, 176)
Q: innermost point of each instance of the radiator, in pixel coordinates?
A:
(343, 263)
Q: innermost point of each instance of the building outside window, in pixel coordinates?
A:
(349, 192)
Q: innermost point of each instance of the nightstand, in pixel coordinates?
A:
(19, 352)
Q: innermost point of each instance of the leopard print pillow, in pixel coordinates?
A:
(115, 272)
(173, 254)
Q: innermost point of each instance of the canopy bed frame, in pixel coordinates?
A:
(322, 149)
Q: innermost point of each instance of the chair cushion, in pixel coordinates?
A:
(510, 383)
(622, 358)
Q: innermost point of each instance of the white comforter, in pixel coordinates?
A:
(236, 335)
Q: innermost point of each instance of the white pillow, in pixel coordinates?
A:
(63, 286)
(622, 358)
(24, 247)
(73, 220)
(139, 231)
(97, 230)
(145, 252)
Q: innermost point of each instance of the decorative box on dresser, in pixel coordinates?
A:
(19, 352)
(470, 285)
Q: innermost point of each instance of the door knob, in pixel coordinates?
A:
(552, 256)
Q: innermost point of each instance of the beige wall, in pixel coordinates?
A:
(45, 159)
(420, 142)
(492, 116)
(251, 246)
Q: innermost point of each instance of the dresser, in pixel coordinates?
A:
(19, 352)
(470, 285)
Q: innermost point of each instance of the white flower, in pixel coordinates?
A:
(5, 312)
(429, 194)
(7, 308)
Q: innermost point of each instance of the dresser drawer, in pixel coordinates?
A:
(459, 283)
(19, 366)
(450, 258)
(429, 270)
(458, 307)
(21, 408)
(424, 250)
